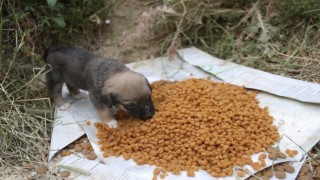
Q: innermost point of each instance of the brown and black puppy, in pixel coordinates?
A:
(109, 83)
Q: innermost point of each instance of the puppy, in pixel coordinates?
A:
(109, 83)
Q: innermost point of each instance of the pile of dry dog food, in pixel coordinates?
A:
(199, 124)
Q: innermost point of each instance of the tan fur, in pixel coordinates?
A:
(58, 99)
(105, 115)
(129, 85)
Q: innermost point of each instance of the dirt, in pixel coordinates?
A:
(125, 18)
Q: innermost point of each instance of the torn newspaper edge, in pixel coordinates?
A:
(252, 78)
(299, 121)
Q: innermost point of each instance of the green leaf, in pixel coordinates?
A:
(59, 20)
(51, 3)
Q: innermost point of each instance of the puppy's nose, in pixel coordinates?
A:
(148, 115)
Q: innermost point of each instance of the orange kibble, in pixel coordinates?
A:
(197, 124)
(262, 157)
(156, 171)
(88, 123)
(241, 174)
(190, 173)
(294, 152)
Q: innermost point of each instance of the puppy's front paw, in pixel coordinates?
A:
(112, 124)
(64, 106)
(80, 96)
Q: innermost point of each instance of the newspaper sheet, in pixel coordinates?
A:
(298, 122)
(252, 78)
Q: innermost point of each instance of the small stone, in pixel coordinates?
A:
(65, 174)
(41, 170)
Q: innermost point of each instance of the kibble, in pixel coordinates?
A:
(281, 155)
(65, 174)
(156, 171)
(280, 174)
(198, 124)
(241, 173)
(92, 156)
(78, 148)
(190, 173)
(273, 156)
(288, 168)
(88, 123)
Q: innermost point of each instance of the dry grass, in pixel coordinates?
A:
(270, 35)
(27, 27)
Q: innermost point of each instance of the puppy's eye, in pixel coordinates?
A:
(130, 105)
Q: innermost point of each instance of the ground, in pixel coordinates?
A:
(126, 16)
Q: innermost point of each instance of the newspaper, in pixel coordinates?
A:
(252, 78)
(297, 122)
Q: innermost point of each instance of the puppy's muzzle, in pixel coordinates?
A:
(148, 111)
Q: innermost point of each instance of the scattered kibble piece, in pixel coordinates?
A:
(241, 173)
(268, 173)
(288, 168)
(65, 174)
(279, 167)
(78, 148)
(273, 156)
(262, 157)
(154, 177)
(291, 153)
(92, 156)
(156, 171)
(86, 152)
(88, 123)
(190, 173)
(162, 176)
(41, 170)
(280, 174)
(281, 155)
(198, 123)
(65, 153)
(264, 178)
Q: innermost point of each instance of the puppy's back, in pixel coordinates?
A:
(64, 56)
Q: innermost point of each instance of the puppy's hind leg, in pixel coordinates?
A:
(75, 92)
(55, 83)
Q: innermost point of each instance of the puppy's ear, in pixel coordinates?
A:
(148, 84)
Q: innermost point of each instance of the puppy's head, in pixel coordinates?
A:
(130, 92)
